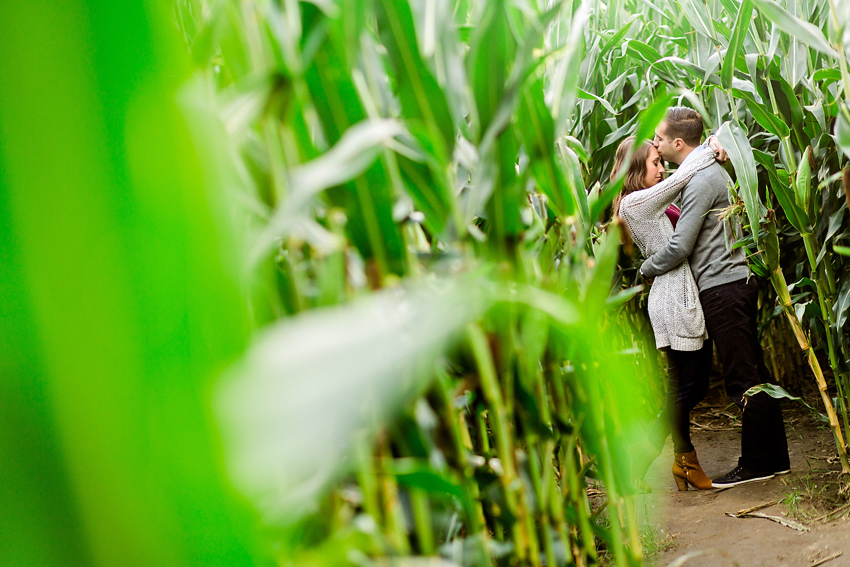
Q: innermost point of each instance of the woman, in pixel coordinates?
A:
(674, 307)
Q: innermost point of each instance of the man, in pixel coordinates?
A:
(728, 300)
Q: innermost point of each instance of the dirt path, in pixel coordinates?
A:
(693, 527)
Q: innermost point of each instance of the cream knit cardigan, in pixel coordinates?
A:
(674, 308)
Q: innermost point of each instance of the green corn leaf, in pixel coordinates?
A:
(562, 90)
(617, 135)
(695, 70)
(623, 296)
(770, 245)
(843, 250)
(615, 39)
(419, 474)
(650, 118)
(642, 51)
(731, 6)
(778, 392)
(842, 134)
(741, 87)
(598, 288)
(428, 184)
(787, 99)
(734, 139)
(803, 185)
(767, 119)
(826, 76)
(803, 282)
(604, 199)
(572, 172)
(368, 198)
(493, 46)
(808, 33)
(583, 94)
(842, 304)
(575, 145)
(725, 33)
(742, 24)
(357, 151)
(697, 15)
(561, 310)
(420, 95)
(782, 190)
(119, 311)
(757, 265)
(300, 371)
(536, 129)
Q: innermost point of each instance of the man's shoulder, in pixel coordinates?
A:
(713, 179)
(714, 174)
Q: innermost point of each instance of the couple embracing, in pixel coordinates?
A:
(700, 295)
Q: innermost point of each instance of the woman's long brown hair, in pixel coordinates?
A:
(636, 172)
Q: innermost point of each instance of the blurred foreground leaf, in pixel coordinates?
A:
(309, 386)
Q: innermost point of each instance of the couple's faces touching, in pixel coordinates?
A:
(667, 148)
(654, 168)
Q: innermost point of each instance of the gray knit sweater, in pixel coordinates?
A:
(674, 308)
(699, 237)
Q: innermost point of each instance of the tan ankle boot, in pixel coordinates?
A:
(687, 470)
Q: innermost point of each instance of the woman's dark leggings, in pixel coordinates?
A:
(687, 384)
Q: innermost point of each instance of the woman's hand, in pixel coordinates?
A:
(714, 143)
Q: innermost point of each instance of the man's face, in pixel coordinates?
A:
(663, 144)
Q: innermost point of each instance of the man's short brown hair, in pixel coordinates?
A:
(684, 123)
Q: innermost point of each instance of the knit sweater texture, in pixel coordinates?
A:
(674, 308)
(699, 236)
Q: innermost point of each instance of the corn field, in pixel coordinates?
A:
(333, 282)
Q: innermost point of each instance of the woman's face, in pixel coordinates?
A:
(654, 169)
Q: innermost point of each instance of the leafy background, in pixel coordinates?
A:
(330, 282)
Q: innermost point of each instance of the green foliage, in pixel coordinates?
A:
(400, 207)
(115, 240)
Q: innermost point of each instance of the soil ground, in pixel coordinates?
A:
(693, 529)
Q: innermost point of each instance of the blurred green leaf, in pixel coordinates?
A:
(420, 95)
(493, 46)
(356, 151)
(323, 363)
(418, 474)
(368, 199)
(123, 307)
(536, 129)
(562, 89)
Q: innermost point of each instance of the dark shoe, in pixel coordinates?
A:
(740, 475)
(783, 467)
